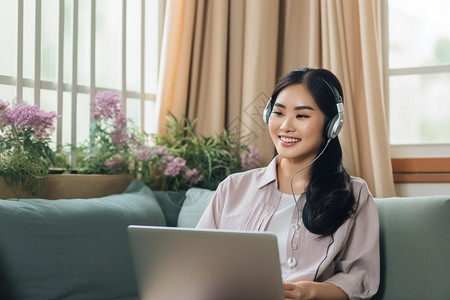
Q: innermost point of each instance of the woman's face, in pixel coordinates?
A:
(296, 124)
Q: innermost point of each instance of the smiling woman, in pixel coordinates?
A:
(324, 252)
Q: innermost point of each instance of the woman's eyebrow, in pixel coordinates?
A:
(295, 108)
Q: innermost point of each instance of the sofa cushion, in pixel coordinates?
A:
(197, 200)
(415, 247)
(170, 203)
(73, 249)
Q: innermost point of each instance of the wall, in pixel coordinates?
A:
(421, 189)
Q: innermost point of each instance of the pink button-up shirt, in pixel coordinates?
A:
(349, 258)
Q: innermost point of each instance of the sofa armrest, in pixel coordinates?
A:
(415, 247)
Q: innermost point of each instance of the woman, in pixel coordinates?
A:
(326, 222)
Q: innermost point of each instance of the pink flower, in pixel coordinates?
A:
(120, 121)
(193, 176)
(168, 158)
(29, 118)
(3, 111)
(174, 167)
(3, 105)
(190, 173)
(158, 150)
(250, 160)
(143, 154)
(107, 105)
(119, 138)
(197, 179)
(114, 162)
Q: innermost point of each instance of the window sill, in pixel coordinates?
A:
(421, 170)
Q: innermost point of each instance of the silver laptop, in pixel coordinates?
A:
(191, 264)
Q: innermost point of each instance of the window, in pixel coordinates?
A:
(416, 52)
(59, 53)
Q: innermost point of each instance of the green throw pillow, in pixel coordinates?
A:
(170, 203)
(197, 200)
(73, 249)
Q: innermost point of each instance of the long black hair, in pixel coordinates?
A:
(329, 194)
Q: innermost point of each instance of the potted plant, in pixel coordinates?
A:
(175, 160)
(25, 154)
(105, 161)
(113, 141)
(181, 158)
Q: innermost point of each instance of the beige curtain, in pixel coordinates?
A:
(352, 50)
(212, 51)
(221, 60)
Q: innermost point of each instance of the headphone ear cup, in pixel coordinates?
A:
(267, 111)
(334, 126)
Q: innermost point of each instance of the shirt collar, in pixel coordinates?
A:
(270, 173)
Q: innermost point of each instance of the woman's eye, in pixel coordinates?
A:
(302, 116)
(277, 113)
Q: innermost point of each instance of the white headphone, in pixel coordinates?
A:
(335, 125)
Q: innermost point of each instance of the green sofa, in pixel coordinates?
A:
(78, 248)
(415, 248)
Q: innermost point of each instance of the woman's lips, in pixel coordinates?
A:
(288, 140)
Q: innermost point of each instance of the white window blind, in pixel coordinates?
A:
(59, 53)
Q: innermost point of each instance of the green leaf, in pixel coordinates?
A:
(93, 128)
(145, 172)
(50, 154)
(5, 145)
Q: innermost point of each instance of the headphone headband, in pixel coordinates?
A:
(335, 125)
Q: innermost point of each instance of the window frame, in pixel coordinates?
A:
(412, 163)
(59, 86)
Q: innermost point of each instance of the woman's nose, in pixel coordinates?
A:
(287, 124)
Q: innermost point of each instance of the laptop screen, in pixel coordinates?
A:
(192, 264)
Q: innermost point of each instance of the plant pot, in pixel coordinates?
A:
(13, 190)
(70, 186)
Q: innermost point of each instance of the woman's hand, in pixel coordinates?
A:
(303, 290)
(293, 291)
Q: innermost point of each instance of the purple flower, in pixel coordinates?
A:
(114, 162)
(190, 173)
(119, 138)
(168, 158)
(3, 111)
(158, 150)
(120, 121)
(3, 105)
(143, 154)
(174, 166)
(197, 179)
(193, 176)
(29, 118)
(250, 160)
(165, 160)
(107, 105)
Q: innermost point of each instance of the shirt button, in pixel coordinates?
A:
(296, 227)
(292, 262)
(295, 247)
